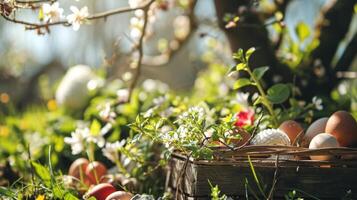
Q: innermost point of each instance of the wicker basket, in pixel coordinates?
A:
(280, 170)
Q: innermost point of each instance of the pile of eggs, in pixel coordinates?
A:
(339, 130)
(92, 174)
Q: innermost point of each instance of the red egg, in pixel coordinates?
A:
(343, 126)
(78, 167)
(291, 128)
(95, 171)
(101, 191)
(120, 195)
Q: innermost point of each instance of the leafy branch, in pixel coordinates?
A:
(276, 94)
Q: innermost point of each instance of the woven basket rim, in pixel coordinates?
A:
(270, 155)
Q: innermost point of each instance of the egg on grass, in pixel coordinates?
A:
(100, 191)
(95, 171)
(119, 195)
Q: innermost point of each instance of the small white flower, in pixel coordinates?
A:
(77, 140)
(111, 150)
(242, 98)
(78, 17)
(106, 113)
(149, 113)
(52, 13)
(159, 100)
(123, 95)
(106, 129)
(97, 139)
(167, 112)
(317, 103)
(136, 3)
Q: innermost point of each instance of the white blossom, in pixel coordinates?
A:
(106, 112)
(78, 17)
(78, 140)
(317, 103)
(159, 100)
(123, 95)
(242, 98)
(111, 150)
(52, 13)
(136, 3)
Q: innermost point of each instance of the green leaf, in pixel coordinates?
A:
(241, 66)
(7, 192)
(238, 55)
(355, 8)
(42, 172)
(236, 19)
(278, 93)
(95, 127)
(69, 196)
(249, 52)
(302, 30)
(259, 72)
(241, 83)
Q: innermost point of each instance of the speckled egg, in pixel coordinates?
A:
(271, 137)
(343, 126)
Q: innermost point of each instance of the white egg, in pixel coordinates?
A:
(271, 137)
(72, 93)
(323, 140)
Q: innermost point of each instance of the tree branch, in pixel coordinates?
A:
(140, 50)
(35, 26)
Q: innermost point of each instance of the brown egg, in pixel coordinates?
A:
(323, 140)
(95, 171)
(343, 126)
(78, 167)
(120, 195)
(315, 128)
(291, 128)
(100, 191)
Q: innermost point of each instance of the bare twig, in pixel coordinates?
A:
(140, 50)
(252, 136)
(275, 178)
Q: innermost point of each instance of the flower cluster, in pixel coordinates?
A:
(53, 13)
(80, 139)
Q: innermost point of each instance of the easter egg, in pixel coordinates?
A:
(95, 171)
(78, 167)
(291, 128)
(315, 128)
(343, 126)
(101, 191)
(323, 140)
(271, 137)
(120, 195)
